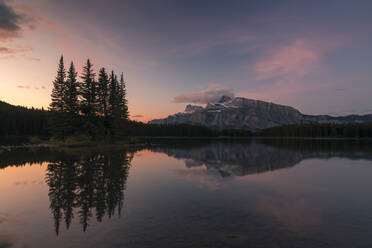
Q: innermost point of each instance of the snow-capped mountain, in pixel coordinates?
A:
(243, 113)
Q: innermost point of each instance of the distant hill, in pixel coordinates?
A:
(17, 120)
(253, 115)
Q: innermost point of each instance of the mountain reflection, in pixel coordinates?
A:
(244, 158)
(91, 184)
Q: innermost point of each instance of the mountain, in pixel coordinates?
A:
(243, 113)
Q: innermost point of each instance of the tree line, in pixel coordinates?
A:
(181, 130)
(326, 130)
(96, 107)
(21, 121)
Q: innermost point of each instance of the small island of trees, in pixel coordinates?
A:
(94, 108)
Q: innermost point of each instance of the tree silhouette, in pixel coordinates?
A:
(71, 93)
(95, 182)
(88, 91)
(123, 103)
(103, 92)
(57, 96)
(54, 180)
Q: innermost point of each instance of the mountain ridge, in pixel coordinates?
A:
(250, 114)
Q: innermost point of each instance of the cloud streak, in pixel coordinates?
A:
(211, 94)
(28, 87)
(295, 60)
(18, 49)
(23, 86)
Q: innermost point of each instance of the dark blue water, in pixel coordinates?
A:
(189, 194)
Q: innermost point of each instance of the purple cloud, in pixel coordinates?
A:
(13, 19)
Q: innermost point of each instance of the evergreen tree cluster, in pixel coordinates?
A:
(93, 106)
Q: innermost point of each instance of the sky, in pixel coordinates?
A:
(315, 56)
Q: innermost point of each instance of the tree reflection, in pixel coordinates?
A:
(89, 184)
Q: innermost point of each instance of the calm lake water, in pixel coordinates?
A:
(189, 194)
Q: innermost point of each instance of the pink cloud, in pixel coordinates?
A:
(16, 49)
(295, 60)
(282, 91)
(291, 68)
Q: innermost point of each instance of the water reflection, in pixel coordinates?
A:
(244, 158)
(82, 183)
(88, 186)
(94, 183)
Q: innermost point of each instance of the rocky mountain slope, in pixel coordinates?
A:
(243, 113)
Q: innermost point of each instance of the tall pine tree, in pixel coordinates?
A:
(88, 91)
(114, 107)
(58, 106)
(123, 99)
(71, 93)
(103, 93)
(58, 90)
(114, 111)
(69, 121)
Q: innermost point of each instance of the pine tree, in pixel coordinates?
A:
(114, 97)
(114, 107)
(58, 90)
(58, 106)
(71, 94)
(103, 93)
(123, 100)
(88, 91)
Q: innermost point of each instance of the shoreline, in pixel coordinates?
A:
(143, 141)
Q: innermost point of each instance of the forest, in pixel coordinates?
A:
(22, 121)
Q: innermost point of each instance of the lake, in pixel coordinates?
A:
(254, 193)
